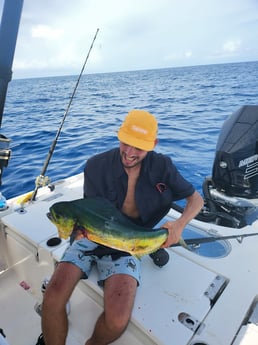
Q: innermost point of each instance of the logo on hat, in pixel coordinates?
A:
(138, 129)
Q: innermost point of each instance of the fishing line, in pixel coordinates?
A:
(40, 178)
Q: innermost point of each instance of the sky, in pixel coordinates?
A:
(55, 35)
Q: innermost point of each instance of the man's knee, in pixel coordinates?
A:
(117, 322)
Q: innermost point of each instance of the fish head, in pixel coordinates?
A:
(63, 216)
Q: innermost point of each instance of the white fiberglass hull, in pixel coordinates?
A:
(194, 299)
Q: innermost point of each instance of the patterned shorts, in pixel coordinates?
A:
(106, 266)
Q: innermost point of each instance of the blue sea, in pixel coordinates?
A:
(190, 103)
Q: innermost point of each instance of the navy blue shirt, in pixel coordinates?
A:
(158, 185)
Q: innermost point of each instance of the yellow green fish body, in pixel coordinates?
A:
(105, 225)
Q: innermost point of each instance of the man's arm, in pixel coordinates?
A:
(175, 228)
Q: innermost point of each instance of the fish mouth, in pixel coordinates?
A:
(50, 217)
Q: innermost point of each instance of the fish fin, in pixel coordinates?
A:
(103, 208)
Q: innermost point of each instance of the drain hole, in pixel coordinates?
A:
(21, 210)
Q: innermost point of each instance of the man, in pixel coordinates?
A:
(142, 184)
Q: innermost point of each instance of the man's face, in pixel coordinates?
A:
(131, 156)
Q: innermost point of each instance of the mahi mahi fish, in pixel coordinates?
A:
(104, 224)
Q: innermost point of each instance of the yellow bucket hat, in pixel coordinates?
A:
(139, 130)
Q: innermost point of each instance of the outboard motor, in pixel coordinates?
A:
(5, 154)
(234, 181)
(235, 169)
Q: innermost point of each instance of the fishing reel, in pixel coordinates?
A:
(42, 181)
(160, 257)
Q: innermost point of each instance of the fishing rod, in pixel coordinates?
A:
(202, 240)
(103, 250)
(40, 178)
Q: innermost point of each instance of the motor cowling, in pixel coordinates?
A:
(235, 168)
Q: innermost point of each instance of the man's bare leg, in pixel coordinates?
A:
(119, 295)
(57, 294)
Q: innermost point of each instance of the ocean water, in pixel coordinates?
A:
(190, 103)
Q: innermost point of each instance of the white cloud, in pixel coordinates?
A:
(188, 54)
(232, 46)
(44, 31)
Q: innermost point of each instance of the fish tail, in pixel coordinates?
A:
(183, 243)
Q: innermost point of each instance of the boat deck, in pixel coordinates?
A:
(180, 303)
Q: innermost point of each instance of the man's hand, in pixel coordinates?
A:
(175, 230)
